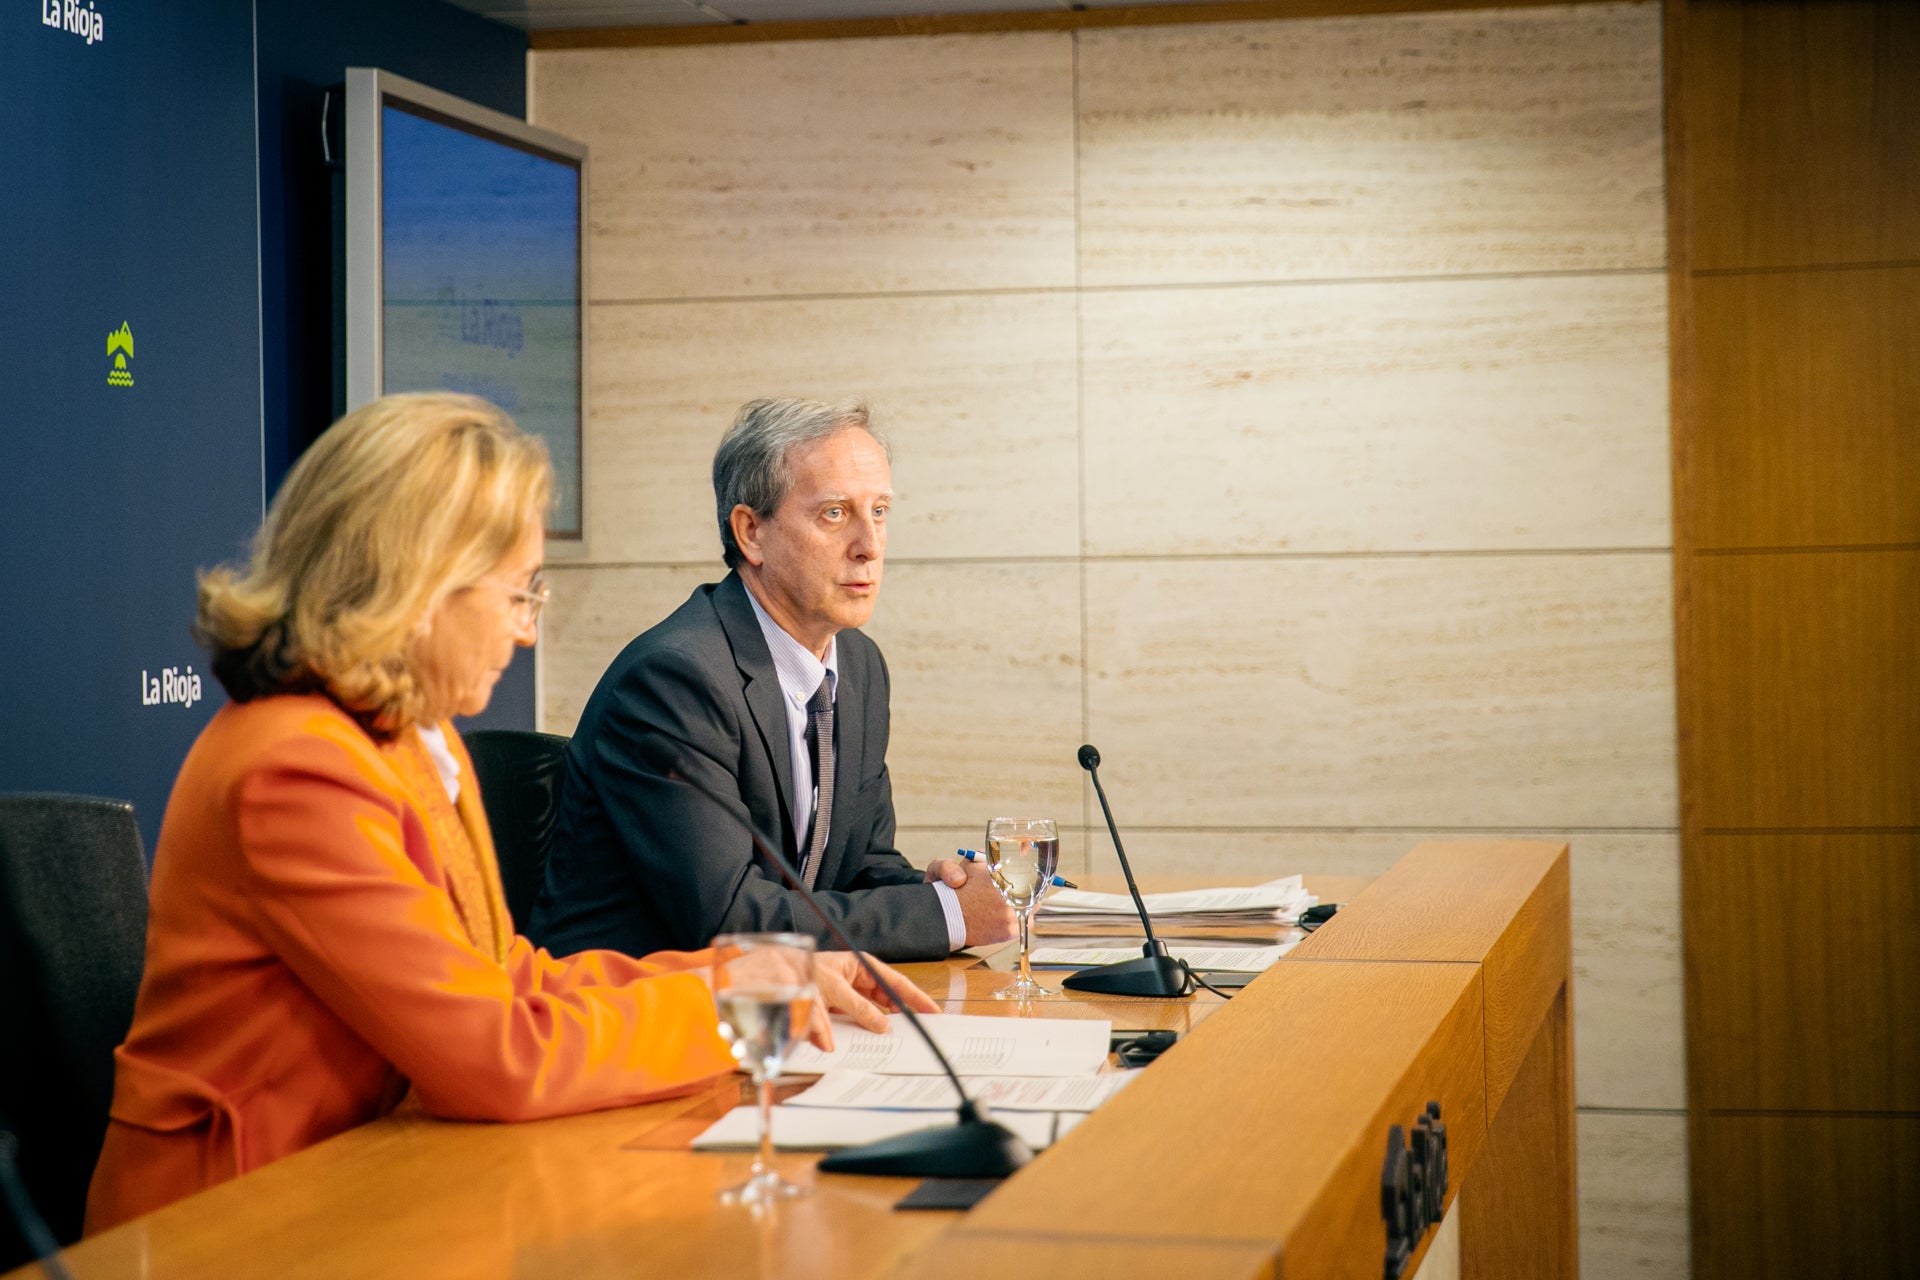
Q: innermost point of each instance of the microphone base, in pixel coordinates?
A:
(1153, 975)
(970, 1149)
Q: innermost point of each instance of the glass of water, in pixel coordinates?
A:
(763, 988)
(1023, 854)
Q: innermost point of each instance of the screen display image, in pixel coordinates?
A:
(480, 280)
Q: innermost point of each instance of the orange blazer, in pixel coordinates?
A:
(306, 962)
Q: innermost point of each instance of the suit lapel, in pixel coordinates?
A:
(761, 686)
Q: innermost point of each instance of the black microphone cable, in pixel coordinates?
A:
(1195, 975)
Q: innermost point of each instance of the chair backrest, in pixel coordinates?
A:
(73, 930)
(519, 773)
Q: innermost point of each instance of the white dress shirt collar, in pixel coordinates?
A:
(800, 673)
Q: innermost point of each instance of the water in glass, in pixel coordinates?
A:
(763, 990)
(1023, 854)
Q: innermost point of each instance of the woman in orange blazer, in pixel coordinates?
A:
(327, 926)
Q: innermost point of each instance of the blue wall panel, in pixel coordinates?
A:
(129, 197)
(135, 188)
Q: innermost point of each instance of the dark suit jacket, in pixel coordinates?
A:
(643, 861)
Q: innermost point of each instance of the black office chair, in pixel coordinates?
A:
(73, 934)
(519, 773)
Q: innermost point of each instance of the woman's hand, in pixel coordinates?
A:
(846, 987)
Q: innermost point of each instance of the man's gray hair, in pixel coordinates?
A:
(750, 466)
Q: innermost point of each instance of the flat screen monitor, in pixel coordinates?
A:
(466, 253)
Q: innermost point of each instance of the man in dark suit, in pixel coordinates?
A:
(758, 694)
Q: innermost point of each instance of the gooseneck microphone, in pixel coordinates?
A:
(1156, 973)
(975, 1147)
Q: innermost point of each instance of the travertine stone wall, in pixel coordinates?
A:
(1281, 406)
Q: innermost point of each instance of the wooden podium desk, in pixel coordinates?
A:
(1251, 1149)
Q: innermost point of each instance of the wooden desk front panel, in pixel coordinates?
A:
(1504, 904)
(1520, 1217)
(1283, 1100)
(1044, 1256)
(1500, 903)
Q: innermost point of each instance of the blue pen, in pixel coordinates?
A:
(974, 855)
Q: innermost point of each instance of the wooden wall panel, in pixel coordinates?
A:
(1809, 382)
(1805, 1196)
(1807, 690)
(1796, 242)
(1806, 982)
(1800, 128)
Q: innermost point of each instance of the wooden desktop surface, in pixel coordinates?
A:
(1261, 1130)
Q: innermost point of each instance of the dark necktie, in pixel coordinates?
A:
(820, 743)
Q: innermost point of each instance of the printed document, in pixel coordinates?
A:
(976, 1046)
(935, 1093)
(1225, 959)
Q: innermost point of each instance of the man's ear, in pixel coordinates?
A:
(745, 523)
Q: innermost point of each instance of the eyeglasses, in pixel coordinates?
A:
(532, 599)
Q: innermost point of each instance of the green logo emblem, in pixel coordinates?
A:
(120, 347)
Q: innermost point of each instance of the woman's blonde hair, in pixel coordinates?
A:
(394, 508)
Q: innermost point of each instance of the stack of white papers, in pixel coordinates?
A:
(1222, 958)
(1277, 901)
(975, 1045)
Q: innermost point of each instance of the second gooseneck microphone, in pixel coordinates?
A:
(1156, 973)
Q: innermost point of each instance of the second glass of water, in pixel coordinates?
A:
(1023, 854)
(763, 988)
